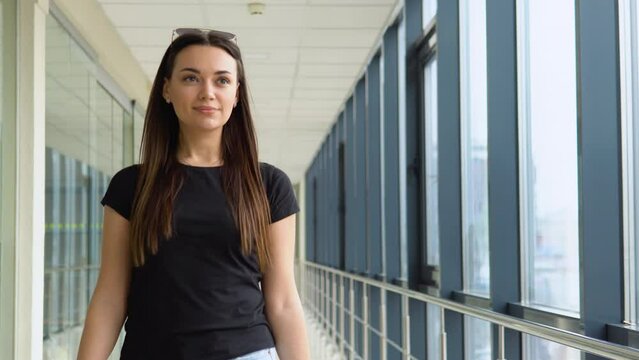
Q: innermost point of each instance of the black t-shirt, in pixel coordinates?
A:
(199, 297)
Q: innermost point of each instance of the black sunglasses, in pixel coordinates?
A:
(221, 34)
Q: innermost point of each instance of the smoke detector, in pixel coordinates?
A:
(256, 8)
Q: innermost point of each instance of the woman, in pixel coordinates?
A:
(198, 241)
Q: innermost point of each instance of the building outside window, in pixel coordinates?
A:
(547, 90)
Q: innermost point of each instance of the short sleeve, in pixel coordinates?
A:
(279, 191)
(121, 190)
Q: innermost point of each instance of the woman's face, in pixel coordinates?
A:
(203, 87)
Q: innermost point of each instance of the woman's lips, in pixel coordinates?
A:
(206, 109)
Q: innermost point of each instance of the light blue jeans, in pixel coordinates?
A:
(266, 354)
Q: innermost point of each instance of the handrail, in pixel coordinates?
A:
(577, 341)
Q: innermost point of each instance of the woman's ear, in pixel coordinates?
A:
(237, 94)
(165, 91)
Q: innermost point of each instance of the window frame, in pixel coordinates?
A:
(426, 52)
(628, 34)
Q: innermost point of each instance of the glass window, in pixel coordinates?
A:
(85, 132)
(537, 348)
(478, 343)
(429, 11)
(629, 45)
(474, 152)
(401, 95)
(433, 330)
(431, 163)
(431, 257)
(548, 154)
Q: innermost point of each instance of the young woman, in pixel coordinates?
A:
(198, 241)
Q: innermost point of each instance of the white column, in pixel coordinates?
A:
(29, 241)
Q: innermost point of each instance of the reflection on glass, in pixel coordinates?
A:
(429, 10)
(430, 136)
(474, 139)
(84, 147)
(433, 331)
(543, 349)
(548, 152)
(478, 340)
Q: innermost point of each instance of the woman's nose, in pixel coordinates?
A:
(207, 91)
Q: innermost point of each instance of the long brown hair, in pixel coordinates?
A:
(160, 178)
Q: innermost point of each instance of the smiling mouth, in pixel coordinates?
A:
(206, 110)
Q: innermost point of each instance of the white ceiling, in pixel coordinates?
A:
(302, 57)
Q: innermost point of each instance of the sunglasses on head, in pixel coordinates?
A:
(221, 34)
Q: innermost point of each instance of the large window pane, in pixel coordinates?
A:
(474, 131)
(537, 348)
(477, 342)
(431, 163)
(85, 132)
(429, 10)
(548, 153)
(433, 331)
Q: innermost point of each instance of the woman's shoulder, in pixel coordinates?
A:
(271, 173)
(127, 174)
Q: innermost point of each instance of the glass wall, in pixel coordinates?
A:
(431, 163)
(431, 257)
(548, 147)
(429, 10)
(546, 48)
(474, 162)
(477, 339)
(86, 129)
(474, 140)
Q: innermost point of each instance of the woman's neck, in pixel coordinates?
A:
(200, 149)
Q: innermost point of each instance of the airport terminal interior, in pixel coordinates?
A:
(465, 169)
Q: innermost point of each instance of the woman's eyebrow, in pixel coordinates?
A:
(219, 72)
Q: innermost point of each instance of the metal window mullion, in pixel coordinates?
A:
(405, 328)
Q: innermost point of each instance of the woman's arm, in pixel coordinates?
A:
(282, 303)
(108, 305)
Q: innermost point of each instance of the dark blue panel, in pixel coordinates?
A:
(351, 205)
(360, 175)
(391, 154)
(503, 203)
(449, 147)
(394, 323)
(373, 310)
(600, 201)
(417, 329)
(374, 169)
(413, 12)
(310, 215)
(449, 166)
(341, 193)
(334, 194)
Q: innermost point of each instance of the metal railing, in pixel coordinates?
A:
(323, 294)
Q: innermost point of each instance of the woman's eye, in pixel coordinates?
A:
(190, 78)
(224, 81)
